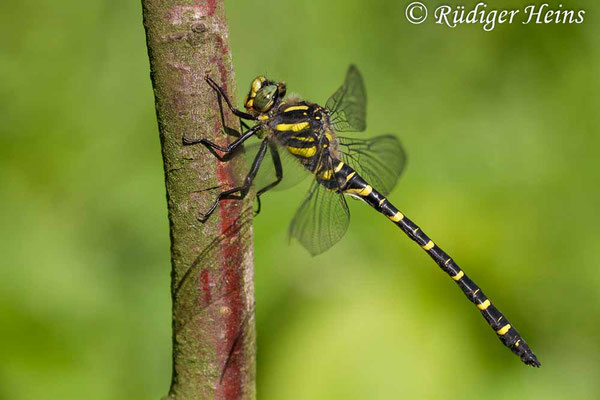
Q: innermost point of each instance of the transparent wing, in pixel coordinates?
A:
(321, 220)
(347, 106)
(293, 171)
(379, 160)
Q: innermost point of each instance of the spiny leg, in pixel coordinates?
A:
(243, 125)
(221, 92)
(226, 149)
(241, 191)
(228, 130)
(278, 174)
(356, 186)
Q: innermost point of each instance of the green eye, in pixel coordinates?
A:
(265, 98)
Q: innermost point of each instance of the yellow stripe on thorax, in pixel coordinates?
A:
(293, 108)
(297, 127)
(305, 152)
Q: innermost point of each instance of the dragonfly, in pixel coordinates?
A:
(365, 169)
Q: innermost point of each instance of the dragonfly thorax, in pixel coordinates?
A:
(304, 129)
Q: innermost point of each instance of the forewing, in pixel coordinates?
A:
(347, 106)
(379, 160)
(321, 220)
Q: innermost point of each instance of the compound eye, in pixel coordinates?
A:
(265, 97)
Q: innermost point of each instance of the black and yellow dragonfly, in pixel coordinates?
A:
(367, 169)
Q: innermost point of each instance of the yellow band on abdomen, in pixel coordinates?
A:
(396, 217)
(361, 191)
(484, 305)
(503, 330)
(458, 276)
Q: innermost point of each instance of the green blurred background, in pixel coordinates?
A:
(501, 129)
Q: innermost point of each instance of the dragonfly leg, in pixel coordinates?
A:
(225, 149)
(244, 124)
(278, 174)
(221, 93)
(238, 193)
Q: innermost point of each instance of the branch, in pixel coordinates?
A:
(212, 263)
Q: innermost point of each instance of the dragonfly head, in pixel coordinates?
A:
(263, 95)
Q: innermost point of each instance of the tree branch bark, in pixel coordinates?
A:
(212, 263)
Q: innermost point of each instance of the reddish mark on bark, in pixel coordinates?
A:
(209, 5)
(206, 283)
(232, 259)
(212, 5)
(231, 322)
(222, 48)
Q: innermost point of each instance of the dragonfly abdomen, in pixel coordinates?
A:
(351, 183)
